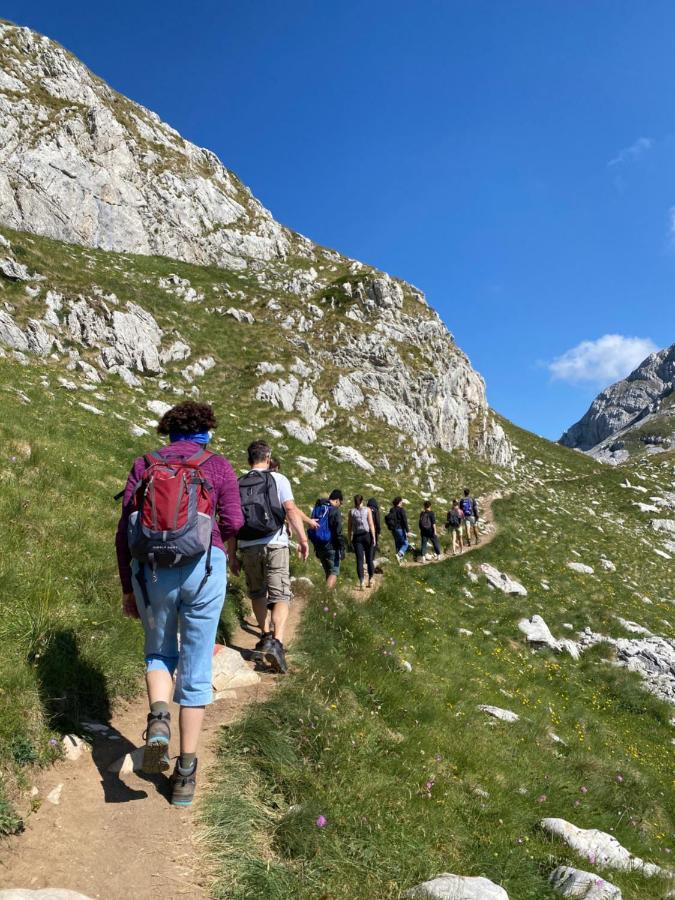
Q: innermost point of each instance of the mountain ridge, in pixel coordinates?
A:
(81, 163)
(641, 400)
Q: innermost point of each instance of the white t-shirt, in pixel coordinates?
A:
(280, 537)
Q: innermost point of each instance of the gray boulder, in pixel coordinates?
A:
(502, 581)
(572, 882)
(457, 887)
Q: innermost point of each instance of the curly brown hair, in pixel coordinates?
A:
(187, 417)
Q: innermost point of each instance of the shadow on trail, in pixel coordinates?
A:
(75, 698)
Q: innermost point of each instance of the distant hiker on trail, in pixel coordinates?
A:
(361, 535)
(374, 508)
(454, 525)
(327, 537)
(267, 502)
(396, 521)
(181, 507)
(428, 531)
(469, 508)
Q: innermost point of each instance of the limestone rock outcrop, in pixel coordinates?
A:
(631, 402)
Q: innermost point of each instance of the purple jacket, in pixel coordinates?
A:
(229, 517)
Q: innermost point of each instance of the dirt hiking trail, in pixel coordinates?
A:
(488, 532)
(116, 835)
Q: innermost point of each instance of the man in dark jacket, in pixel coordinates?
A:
(399, 527)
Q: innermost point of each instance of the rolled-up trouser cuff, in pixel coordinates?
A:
(168, 663)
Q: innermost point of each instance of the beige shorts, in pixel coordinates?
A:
(267, 574)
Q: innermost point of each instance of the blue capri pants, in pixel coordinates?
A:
(177, 605)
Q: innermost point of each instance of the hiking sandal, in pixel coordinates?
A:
(157, 736)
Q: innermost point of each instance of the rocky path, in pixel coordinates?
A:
(112, 836)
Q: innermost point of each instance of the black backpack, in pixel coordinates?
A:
(263, 513)
(426, 521)
(391, 519)
(454, 519)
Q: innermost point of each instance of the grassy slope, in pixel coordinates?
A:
(67, 653)
(412, 778)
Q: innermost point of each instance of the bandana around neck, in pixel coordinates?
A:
(199, 437)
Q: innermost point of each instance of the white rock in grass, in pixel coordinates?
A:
(350, 455)
(661, 553)
(502, 581)
(581, 568)
(54, 796)
(572, 882)
(138, 431)
(457, 887)
(13, 270)
(538, 632)
(158, 407)
(303, 433)
(241, 315)
(230, 671)
(505, 715)
(600, 848)
(43, 894)
(92, 409)
(663, 525)
(607, 565)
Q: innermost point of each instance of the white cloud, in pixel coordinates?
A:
(604, 361)
(632, 153)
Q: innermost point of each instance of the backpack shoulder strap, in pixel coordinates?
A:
(200, 457)
(154, 457)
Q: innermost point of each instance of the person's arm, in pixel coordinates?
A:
(294, 518)
(336, 528)
(404, 519)
(349, 527)
(122, 544)
(433, 524)
(228, 502)
(307, 520)
(371, 526)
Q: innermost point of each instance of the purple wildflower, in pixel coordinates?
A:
(321, 822)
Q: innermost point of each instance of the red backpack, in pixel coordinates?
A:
(172, 514)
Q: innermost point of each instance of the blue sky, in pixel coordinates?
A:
(515, 160)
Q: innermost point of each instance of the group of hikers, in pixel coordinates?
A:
(186, 518)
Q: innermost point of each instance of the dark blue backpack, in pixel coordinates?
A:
(322, 534)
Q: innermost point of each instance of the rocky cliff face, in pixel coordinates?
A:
(83, 164)
(626, 406)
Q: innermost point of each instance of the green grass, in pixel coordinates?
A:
(412, 779)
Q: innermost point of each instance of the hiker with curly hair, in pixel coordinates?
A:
(181, 509)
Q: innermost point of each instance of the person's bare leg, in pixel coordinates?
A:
(190, 722)
(159, 684)
(331, 581)
(279, 618)
(260, 611)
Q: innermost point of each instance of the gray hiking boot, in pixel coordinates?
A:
(183, 784)
(276, 657)
(157, 736)
(265, 642)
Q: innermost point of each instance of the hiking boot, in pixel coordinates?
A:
(265, 641)
(157, 736)
(362, 585)
(276, 657)
(183, 784)
(370, 583)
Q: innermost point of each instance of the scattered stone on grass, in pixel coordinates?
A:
(607, 565)
(571, 882)
(581, 568)
(505, 715)
(598, 847)
(457, 887)
(538, 633)
(502, 581)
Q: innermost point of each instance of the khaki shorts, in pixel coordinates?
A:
(267, 574)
